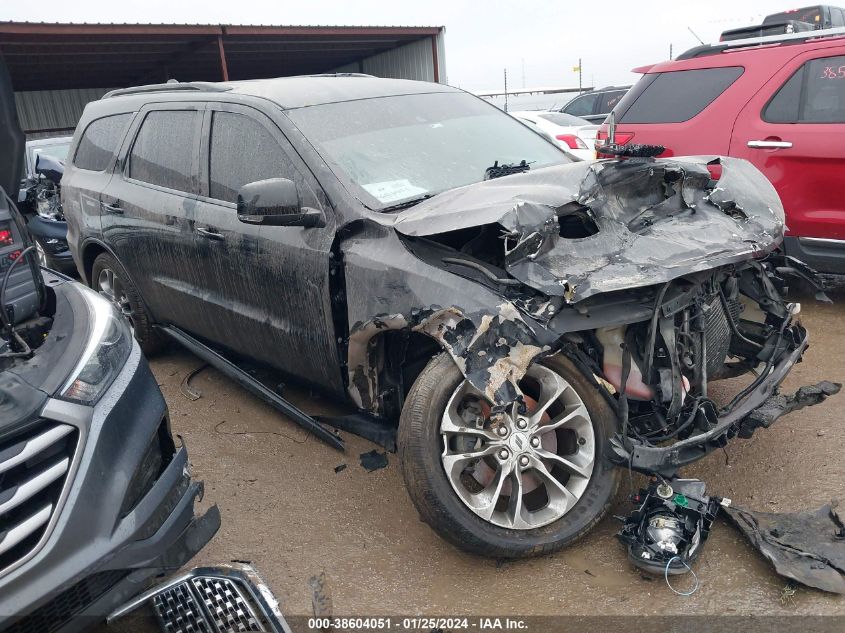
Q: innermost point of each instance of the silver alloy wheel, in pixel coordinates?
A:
(110, 287)
(42, 254)
(532, 473)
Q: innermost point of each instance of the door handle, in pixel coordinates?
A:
(210, 233)
(114, 208)
(769, 144)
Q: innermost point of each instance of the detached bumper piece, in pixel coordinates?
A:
(806, 546)
(779, 405)
(209, 600)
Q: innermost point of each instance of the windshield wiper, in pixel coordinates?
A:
(497, 170)
(407, 203)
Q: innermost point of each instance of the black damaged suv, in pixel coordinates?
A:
(527, 321)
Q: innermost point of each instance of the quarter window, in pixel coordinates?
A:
(783, 108)
(814, 94)
(242, 150)
(163, 150)
(99, 142)
(675, 97)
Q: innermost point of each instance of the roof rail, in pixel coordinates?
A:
(341, 75)
(787, 38)
(170, 86)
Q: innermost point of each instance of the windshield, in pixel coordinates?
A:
(403, 148)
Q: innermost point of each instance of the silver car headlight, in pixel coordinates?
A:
(109, 345)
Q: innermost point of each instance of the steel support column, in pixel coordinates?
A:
(434, 59)
(223, 67)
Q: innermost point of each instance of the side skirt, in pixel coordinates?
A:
(252, 385)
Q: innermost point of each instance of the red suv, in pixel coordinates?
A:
(778, 102)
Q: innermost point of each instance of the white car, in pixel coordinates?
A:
(576, 136)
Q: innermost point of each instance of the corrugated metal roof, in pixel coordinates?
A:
(53, 109)
(55, 55)
(247, 24)
(65, 64)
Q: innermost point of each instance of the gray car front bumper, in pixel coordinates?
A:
(100, 549)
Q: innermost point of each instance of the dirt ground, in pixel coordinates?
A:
(286, 509)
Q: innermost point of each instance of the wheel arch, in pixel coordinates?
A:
(384, 365)
(91, 250)
(492, 348)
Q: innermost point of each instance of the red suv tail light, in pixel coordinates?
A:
(572, 141)
(622, 138)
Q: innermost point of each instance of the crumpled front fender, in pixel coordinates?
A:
(491, 341)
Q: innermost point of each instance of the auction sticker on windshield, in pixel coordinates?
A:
(392, 190)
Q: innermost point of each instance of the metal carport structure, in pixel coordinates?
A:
(57, 68)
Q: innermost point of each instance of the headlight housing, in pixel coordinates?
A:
(109, 345)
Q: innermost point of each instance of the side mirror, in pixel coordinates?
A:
(275, 202)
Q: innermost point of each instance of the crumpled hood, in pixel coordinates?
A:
(648, 221)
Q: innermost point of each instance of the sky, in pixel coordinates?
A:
(538, 41)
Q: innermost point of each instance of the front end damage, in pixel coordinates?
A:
(655, 277)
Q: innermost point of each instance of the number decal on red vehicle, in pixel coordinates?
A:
(831, 73)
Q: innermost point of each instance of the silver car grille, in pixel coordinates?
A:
(221, 599)
(34, 466)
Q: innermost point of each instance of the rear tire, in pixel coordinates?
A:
(421, 450)
(109, 278)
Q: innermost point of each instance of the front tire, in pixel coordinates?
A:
(109, 278)
(530, 489)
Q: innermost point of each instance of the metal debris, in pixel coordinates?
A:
(187, 390)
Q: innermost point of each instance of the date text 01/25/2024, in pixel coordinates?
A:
(417, 624)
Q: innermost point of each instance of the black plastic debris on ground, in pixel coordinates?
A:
(340, 468)
(806, 546)
(373, 460)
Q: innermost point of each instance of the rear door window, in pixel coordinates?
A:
(164, 148)
(675, 97)
(814, 94)
(99, 142)
(241, 151)
(581, 106)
